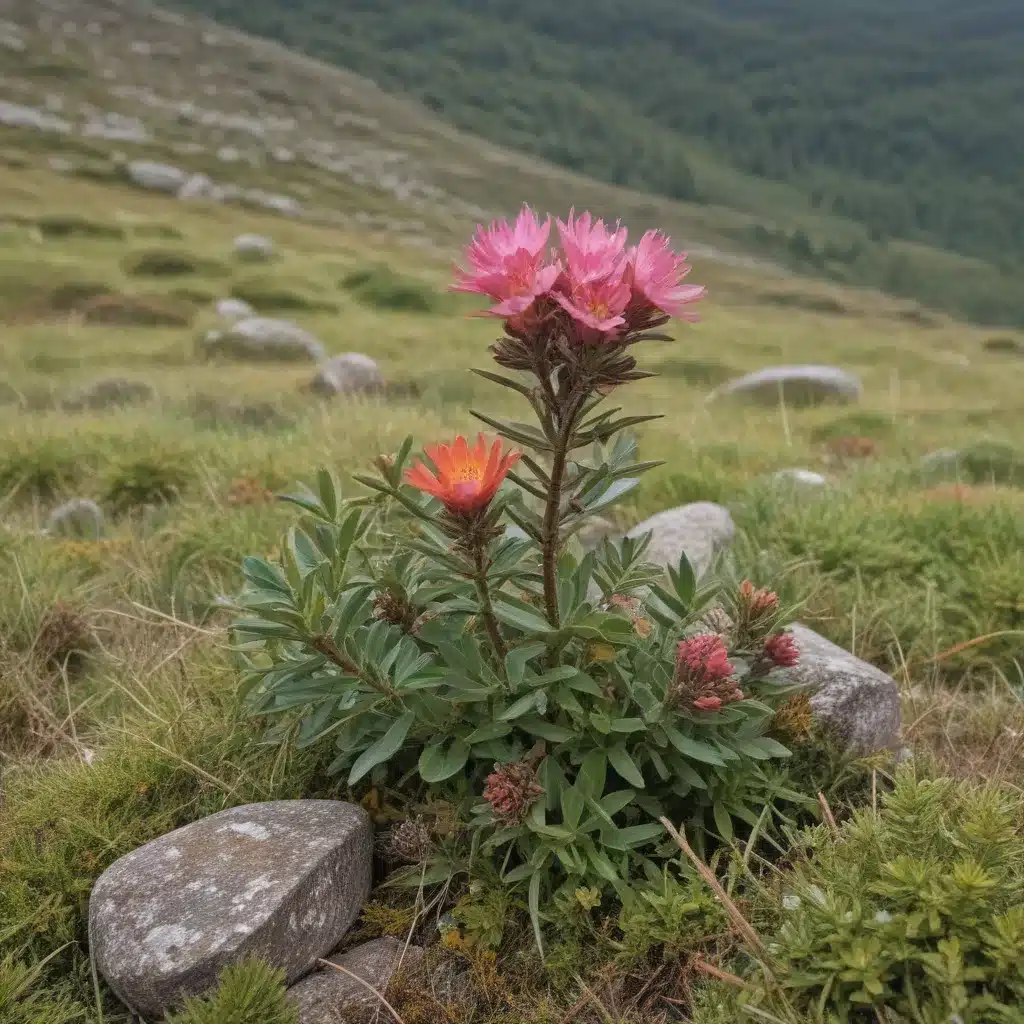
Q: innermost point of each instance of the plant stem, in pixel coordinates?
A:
(326, 646)
(486, 608)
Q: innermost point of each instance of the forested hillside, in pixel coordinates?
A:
(904, 116)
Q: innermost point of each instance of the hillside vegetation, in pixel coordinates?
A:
(846, 129)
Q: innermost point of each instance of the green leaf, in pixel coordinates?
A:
(516, 659)
(620, 760)
(534, 901)
(762, 748)
(262, 574)
(328, 493)
(684, 580)
(628, 725)
(383, 749)
(723, 821)
(488, 732)
(441, 761)
(307, 558)
(520, 707)
(636, 835)
(573, 802)
(696, 749)
(537, 726)
(520, 618)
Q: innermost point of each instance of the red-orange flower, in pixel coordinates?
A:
(467, 478)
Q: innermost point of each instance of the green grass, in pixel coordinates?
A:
(921, 573)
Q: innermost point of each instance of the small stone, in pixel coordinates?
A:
(109, 393)
(795, 385)
(348, 374)
(200, 186)
(156, 176)
(60, 165)
(800, 477)
(283, 881)
(264, 338)
(333, 997)
(79, 518)
(234, 309)
(254, 247)
(14, 115)
(700, 529)
(855, 700)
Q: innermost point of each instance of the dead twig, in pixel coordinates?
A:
(829, 816)
(362, 981)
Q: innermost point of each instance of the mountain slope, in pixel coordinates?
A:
(906, 118)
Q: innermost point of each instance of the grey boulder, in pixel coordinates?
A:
(795, 385)
(198, 187)
(264, 338)
(855, 701)
(234, 309)
(347, 374)
(156, 176)
(699, 529)
(329, 996)
(799, 478)
(254, 247)
(79, 518)
(282, 881)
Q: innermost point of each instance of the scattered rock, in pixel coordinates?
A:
(108, 393)
(800, 477)
(14, 115)
(60, 165)
(156, 176)
(348, 374)
(79, 517)
(254, 247)
(260, 337)
(234, 309)
(700, 529)
(115, 127)
(281, 880)
(857, 701)
(331, 997)
(200, 186)
(594, 531)
(797, 385)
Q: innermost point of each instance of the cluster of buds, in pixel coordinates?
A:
(756, 611)
(511, 790)
(704, 677)
(394, 606)
(410, 841)
(781, 650)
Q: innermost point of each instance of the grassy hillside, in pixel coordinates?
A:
(847, 130)
(119, 709)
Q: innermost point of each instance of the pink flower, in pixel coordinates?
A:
(656, 272)
(703, 659)
(592, 251)
(511, 790)
(782, 650)
(598, 304)
(509, 263)
(708, 703)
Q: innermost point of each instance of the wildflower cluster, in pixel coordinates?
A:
(447, 631)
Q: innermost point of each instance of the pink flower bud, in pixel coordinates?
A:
(781, 650)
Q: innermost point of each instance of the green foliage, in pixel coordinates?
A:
(22, 1001)
(147, 480)
(37, 469)
(382, 287)
(267, 293)
(916, 911)
(138, 311)
(247, 993)
(65, 225)
(168, 263)
(985, 462)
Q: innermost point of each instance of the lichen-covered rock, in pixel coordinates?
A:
(700, 529)
(109, 393)
(333, 997)
(796, 385)
(14, 115)
(281, 881)
(159, 177)
(264, 338)
(254, 247)
(234, 309)
(857, 702)
(79, 518)
(347, 374)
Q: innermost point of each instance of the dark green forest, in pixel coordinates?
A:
(903, 116)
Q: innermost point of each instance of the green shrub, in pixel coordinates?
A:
(168, 263)
(138, 311)
(875, 425)
(383, 288)
(65, 225)
(247, 993)
(22, 1001)
(38, 469)
(147, 480)
(268, 294)
(73, 295)
(990, 462)
(916, 911)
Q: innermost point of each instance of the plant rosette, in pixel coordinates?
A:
(446, 636)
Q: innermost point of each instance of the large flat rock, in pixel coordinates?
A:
(283, 881)
(701, 529)
(795, 385)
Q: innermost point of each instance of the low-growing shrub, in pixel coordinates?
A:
(268, 294)
(65, 225)
(247, 993)
(442, 633)
(913, 913)
(73, 295)
(147, 480)
(138, 311)
(383, 288)
(168, 263)
(37, 469)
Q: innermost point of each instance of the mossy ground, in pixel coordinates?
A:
(141, 730)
